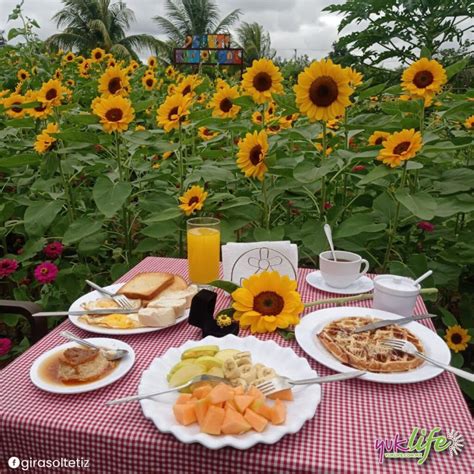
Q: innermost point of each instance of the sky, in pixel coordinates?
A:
(292, 24)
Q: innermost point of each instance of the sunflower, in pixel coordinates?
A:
(41, 111)
(115, 113)
(149, 72)
(355, 77)
(206, 134)
(377, 138)
(70, 82)
(400, 146)
(469, 123)
(221, 84)
(85, 67)
(261, 80)
(188, 84)
(133, 66)
(192, 200)
(22, 75)
(34, 70)
(251, 155)
(427, 99)
(152, 61)
(140, 128)
(114, 81)
(51, 92)
(69, 57)
(257, 118)
(267, 301)
(173, 111)
(12, 104)
(58, 74)
(172, 89)
(287, 120)
(425, 76)
(273, 128)
(111, 62)
(201, 98)
(44, 141)
(170, 72)
(149, 82)
(97, 55)
(319, 147)
(222, 103)
(323, 90)
(457, 338)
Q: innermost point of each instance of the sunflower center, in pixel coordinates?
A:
(456, 338)
(23, 76)
(187, 90)
(51, 94)
(323, 91)
(114, 115)
(149, 82)
(255, 155)
(268, 303)
(225, 105)
(173, 114)
(16, 109)
(423, 79)
(98, 55)
(115, 85)
(193, 200)
(401, 148)
(262, 81)
(207, 132)
(379, 140)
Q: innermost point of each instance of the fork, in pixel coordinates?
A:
(409, 348)
(121, 300)
(198, 378)
(279, 382)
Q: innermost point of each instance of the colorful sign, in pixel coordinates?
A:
(208, 56)
(208, 41)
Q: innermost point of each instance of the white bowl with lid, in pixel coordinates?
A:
(396, 294)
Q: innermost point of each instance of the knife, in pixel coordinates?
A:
(101, 311)
(388, 322)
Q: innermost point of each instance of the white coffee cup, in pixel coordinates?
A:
(343, 272)
(396, 294)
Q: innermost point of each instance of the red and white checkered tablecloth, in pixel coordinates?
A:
(339, 439)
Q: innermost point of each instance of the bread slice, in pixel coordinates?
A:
(156, 317)
(187, 294)
(146, 285)
(177, 285)
(178, 305)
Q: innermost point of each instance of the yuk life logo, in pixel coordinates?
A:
(419, 445)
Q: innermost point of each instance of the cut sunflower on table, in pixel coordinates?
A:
(261, 80)
(399, 147)
(251, 155)
(115, 112)
(192, 200)
(457, 338)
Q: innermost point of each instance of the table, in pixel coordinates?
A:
(339, 439)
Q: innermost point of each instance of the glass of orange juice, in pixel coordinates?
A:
(204, 239)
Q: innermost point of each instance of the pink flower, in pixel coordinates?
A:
(46, 272)
(7, 267)
(327, 205)
(425, 226)
(358, 168)
(54, 249)
(5, 345)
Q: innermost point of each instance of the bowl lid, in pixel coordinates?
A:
(396, 285)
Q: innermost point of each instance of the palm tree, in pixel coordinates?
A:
(193, 17)
(98, 23)
(255, 42)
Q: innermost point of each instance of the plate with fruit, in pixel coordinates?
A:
(234, 413)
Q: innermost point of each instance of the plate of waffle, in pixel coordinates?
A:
(326, 335)
(160, 299)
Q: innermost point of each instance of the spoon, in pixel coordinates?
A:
(109, 354)
(328, 232)
(425, 275)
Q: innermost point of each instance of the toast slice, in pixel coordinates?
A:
(146, 285)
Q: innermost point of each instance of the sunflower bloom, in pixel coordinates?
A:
(457, 338)
(173, 111)
(149, 82)
(261, 80)
(192, 200)
(44, 141)
(51, 92)
(377, 138)
(469, 123)
(115, 112)
(400, 146)
(12, 104)
(206, 134)
(85, 68)
(251, 155)
(152, 61)
(22, 75)
(69, 57)
(188, 84)
(40, 111)
(170, 72)
(97, 55)
(323, 90)
(114, 81)
(424, 77)
(267, 301)
(222, 102)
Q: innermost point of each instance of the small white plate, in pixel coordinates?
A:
(95, 295)
(283, 360)
(362, 285)
(125, 364)
(313, 323)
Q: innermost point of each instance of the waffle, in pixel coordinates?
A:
(365, 350)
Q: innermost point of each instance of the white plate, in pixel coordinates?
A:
(284, 360)
(362, 285)
(313, 323)
(125, 364)
(95, 295)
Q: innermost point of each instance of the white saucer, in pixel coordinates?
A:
(362, 285)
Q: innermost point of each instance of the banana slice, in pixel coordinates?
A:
(248, 373)
(243, 358)
(230, 369)
(239, 382)
(265, 373)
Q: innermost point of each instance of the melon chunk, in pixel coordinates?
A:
(202, 391)
(183, 398)
(212, 423)
(278, 412)
(243, 401)
(184, 413)
(239, 390)
(257, 422)
(282, 395)
(255, 393)
(221, 393)
(231, 405)
(200, 408)
(234, 423)
(259, 407)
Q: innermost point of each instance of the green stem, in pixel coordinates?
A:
(125, 214)
(67, 191)
(266, 208)
(181, 183)
(323, 182)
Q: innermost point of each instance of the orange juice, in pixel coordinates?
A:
(203, 254)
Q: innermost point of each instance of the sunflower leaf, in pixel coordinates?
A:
(287, 335)
(227, 286)
(447, 317)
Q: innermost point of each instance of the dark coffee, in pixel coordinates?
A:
(340, 260)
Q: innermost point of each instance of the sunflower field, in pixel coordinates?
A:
(103, 159)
